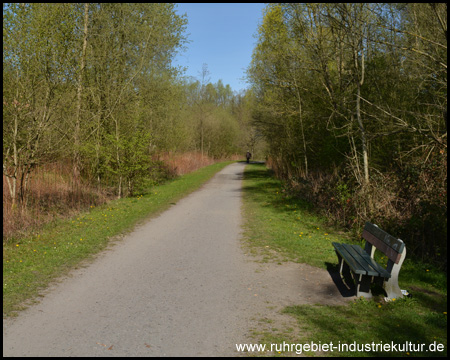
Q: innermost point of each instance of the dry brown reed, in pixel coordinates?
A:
(184, 163)
(50, 194)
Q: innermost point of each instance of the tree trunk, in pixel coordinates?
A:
(303, 132)
(77, 130)
(358, 45)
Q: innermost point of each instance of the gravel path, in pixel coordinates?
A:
(179, 285)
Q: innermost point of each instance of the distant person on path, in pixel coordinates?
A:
(248, 156)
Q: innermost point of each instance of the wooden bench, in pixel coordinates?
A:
(363, 267)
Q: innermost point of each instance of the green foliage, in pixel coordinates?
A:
(212, 114)
(94, 84)
(130, 159)
(351, 99)
(116, 63)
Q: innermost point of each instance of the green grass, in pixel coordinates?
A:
(279, 224)
(31, 263)
(282, 228)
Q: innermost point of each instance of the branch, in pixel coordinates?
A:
(415, 35)
(407, 125)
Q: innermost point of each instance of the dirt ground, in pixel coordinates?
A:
(278, 284)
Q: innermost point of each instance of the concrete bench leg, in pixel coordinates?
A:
(392, 289)
(391, 286)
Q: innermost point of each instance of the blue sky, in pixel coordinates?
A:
(222, 36)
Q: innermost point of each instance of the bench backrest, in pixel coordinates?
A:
(387, 244)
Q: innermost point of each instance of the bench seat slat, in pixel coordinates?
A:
(349, 259)
(359, 261)
(356, 251)
(375, 268)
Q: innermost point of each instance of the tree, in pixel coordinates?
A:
(129, 72)
(37, 67)
(76, 133)
(202, 103)
(280, 75)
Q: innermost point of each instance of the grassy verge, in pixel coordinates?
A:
(31, 263)
(283, 228)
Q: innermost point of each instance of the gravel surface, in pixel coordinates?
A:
(178, 285)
